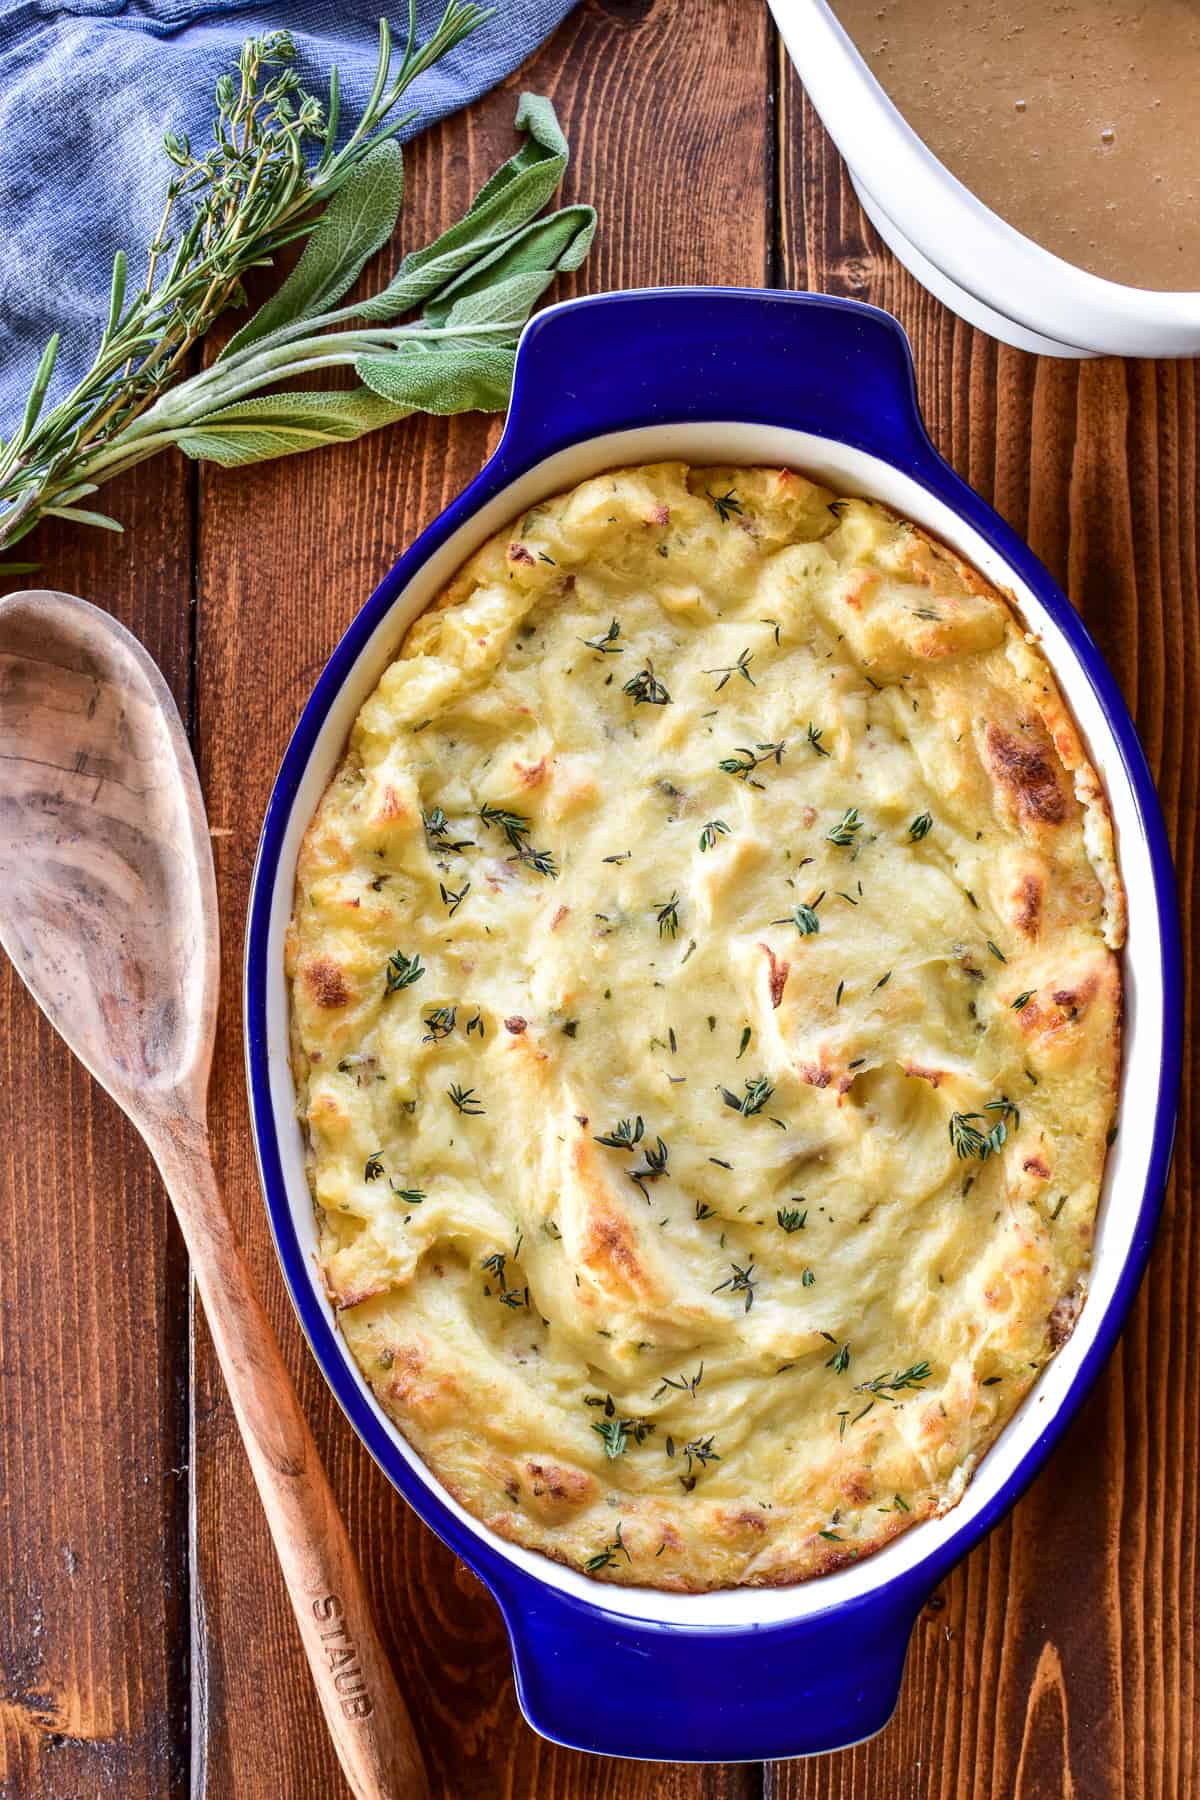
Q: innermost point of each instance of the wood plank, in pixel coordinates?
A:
(1060, 1658)
(93, 1327)
(286, 555)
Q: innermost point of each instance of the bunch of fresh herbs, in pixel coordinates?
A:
(275, 174)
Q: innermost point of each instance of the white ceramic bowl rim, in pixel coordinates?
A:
(952, 228)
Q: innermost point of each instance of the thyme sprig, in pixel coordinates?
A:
(712, 831)
(745, 760)
(758, 1092)
(272, 176)
(740, 667)
(845, 832)
(624, 1135)
(402, 971)
(655, 1164)
(740, 1281)
(645, 689)
(606, 643)
(888, 1386)
(726, 505)
(973, 1134)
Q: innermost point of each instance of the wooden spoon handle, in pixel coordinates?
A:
(367, 1718)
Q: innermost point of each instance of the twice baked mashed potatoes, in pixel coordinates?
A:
(706, 1025)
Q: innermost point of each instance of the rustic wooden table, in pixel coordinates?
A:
(145, 1640)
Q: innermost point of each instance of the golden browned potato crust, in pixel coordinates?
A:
(706, 1022)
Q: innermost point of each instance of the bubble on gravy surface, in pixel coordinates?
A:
(1072, 119)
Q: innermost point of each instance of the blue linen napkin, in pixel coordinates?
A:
(86, 93)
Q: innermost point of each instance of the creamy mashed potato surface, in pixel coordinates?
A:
(706, 1026)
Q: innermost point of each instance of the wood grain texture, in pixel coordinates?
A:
(1060, 1659)
(93, 1348)
(286, 555)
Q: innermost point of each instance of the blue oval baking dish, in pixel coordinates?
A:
(714, 375)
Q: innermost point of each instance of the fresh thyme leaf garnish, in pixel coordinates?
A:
(740, 667)
(645, 689)
(968, 1137)
(608, 1554)
(747, 1034)
(774, 624)
(741, 1281)
(726, 505)
(744, 761)
(540, 861)
(437, 830)
(667, 914)
(452, 900)
(699, 1454)
(410, 1196)
(616, 1433)
(476, 1023)
(511, 1297)
(465, 1100)
(888, 1386)
(996, 951)
(920, 827)
(814, 738)
(402, 971)
(1022, 1000)
(515, 826)
(373, 1168)
(926, 612)
(846, 829)
(703, 1210)
(655, 1165)
(439, 1024)
(623, 1136)
(686, 1384)
(758, 1092)
(804, 918)
(791, 1219)
(622, 857)
(234, 208)
(712, 831)
(607, 644)
(839, 1362)
(808, 1278)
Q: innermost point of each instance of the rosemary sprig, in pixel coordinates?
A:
(274, 175)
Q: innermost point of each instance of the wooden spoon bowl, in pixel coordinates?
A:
(108, 909)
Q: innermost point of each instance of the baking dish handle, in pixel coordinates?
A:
(599, 1681)
(808, 362)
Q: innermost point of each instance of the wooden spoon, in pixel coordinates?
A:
(108, 909)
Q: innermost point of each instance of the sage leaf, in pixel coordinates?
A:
(81, 516)
(358, 221)
(271, 425)
(513, 196)
(451, 378)
(559, 241)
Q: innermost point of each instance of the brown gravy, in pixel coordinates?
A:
(1075, 120)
